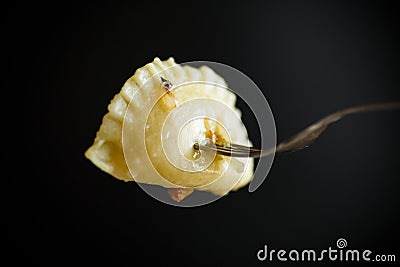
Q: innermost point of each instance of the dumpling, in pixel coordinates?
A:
(148, 134)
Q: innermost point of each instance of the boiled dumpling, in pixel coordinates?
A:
(147, 136)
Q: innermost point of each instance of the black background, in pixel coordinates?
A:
(64, 63)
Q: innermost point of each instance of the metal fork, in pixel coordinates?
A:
(299, 141)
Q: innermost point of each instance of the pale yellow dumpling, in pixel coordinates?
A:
(148, 134)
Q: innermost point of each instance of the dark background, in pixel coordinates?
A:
(64, 63)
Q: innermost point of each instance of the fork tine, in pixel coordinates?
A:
(231, 150)
(235, 150)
